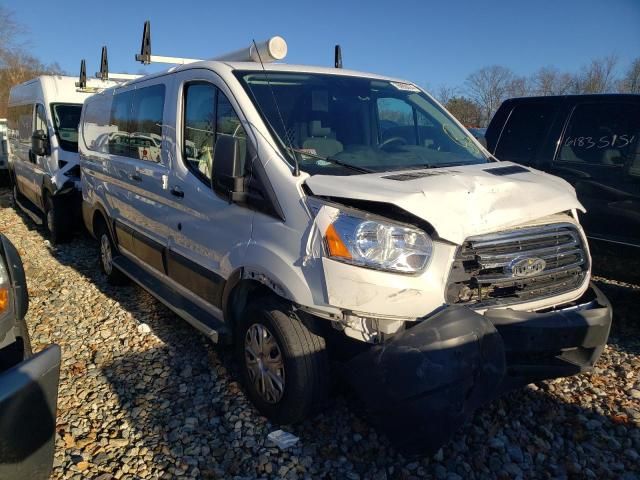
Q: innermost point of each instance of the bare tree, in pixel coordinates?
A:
(630, 83)
(519, 87)
(16, 64)
(550, 81)
(10, 30)
(598, 76)
(445, 93)
(465, 110)
(489, 87)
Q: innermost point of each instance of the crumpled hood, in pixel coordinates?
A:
(460, 201)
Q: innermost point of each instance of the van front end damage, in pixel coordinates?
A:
(422, 384)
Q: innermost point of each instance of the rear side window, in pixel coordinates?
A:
(96, 123)
(118, 139)
(525, 132)
(603, 134)
(208, 114)
(145, 140)
(19, 125)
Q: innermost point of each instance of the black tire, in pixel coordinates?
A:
(305, 361)
(114, 276)
(57, 224)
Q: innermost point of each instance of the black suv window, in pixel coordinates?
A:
(524, 132)
(207, 115)
(602, 134)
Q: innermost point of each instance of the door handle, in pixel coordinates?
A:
(136, 177)
(177, 192)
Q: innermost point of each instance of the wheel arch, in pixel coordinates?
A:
(99, 214)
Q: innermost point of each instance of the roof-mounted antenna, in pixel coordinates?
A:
(338, 57)
(104, 65)
(145, 56)
(296, 167)
(82, 79)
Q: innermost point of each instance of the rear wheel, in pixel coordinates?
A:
(55, 220)
(106, 254)
(284, 365)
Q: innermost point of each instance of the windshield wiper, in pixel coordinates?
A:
(329, 159)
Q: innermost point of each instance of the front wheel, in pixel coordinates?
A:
(57, 224)
(284, 365)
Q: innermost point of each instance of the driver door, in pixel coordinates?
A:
(206, 229)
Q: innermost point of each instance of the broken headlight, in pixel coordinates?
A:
(358, 238)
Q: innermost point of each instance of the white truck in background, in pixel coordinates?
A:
(43, 162)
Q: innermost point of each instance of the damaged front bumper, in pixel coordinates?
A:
(421, 385)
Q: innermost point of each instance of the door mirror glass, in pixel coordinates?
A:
(39, 142)
(228, 167)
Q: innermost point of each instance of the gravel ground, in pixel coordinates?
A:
(143, 395)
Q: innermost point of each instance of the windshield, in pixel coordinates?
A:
(374, 125)
(66, 117)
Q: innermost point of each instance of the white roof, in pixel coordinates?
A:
(216, 65)
(53, 88)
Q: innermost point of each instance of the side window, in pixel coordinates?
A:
(20, 124)
(145, 138)
(228, 123)
(395, 119)
(208, 114)
(603, 134)
(40, 122)
(199, 127)
(96, 123)
(118, 139)
(524, 132)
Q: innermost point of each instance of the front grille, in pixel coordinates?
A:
(504, 268)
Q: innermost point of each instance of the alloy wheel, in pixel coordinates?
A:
(265, 363)
(105, 253)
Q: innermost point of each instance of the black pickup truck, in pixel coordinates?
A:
(28, 382)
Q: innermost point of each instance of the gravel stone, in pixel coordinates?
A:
(163, 403)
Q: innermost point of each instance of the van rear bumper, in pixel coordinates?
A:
(421, 385)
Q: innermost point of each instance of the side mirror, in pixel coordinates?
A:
(39, 142)
(228, 167)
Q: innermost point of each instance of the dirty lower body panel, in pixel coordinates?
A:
(421, 385)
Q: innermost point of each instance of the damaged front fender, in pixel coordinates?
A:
(421, 385)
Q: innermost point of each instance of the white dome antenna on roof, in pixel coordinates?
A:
(271, 50)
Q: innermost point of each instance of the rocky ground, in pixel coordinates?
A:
(143, 395)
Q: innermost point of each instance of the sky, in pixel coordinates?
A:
(431, 43)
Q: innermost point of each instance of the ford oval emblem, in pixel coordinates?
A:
(525, 266)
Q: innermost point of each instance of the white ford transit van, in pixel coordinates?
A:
(43, 145)
(308, 214)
